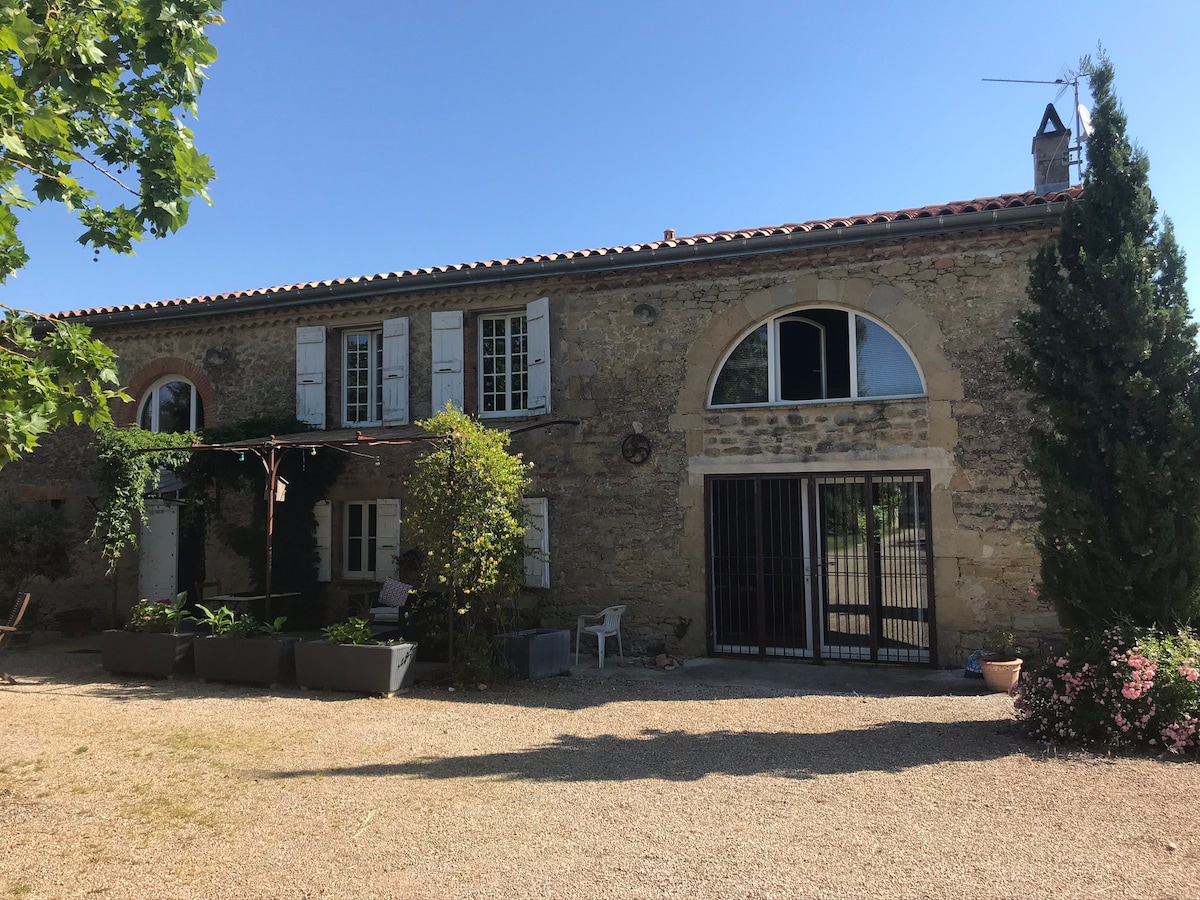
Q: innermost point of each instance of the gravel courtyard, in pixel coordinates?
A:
(625, 786)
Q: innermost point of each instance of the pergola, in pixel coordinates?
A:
(271, 450)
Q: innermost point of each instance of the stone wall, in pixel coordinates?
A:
(636, 352)
(953, 302)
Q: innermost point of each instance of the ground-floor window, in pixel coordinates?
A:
(834, 566)
(360, 550)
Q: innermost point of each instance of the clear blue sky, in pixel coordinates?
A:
(373, 136)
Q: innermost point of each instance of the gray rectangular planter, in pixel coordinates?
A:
(364, 668)
(253, 660)
(538, 652)
(145, 653)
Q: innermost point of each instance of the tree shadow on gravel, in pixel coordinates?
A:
(681, 756)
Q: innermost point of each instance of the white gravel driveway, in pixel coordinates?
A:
(574, 787)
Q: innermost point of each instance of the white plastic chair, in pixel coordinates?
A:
(609, 625)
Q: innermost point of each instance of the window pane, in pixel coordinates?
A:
(802, 363)
(520, 363)
(743, 378)
(372, 530)
(884, 367)
(494, 363)
(354, 540)
(379, 378)
(175, 407)
(147, 420)
(364, 373)
(814, 355)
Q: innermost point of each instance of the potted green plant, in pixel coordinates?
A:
(151, 642)
(350, 658)
(241, 648)
(1001, 666)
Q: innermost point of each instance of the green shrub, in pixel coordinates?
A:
(158, 616)
(352, 631)
(1122, 687)
(467, 517)
(224, 622)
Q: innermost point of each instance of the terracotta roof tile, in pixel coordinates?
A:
(982, 204)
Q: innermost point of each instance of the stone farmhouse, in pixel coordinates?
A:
(794, 441)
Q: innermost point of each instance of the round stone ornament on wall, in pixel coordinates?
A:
(636, 449)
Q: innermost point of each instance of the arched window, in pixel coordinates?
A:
(173, 405)
(816, 354)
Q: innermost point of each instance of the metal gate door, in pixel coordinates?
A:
(757, 566)
(828, 566)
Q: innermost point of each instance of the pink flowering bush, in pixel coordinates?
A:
(1123, 687)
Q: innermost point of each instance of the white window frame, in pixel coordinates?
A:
(362, 515)
(375, 388)
(511, 408)
(151, 397)
(386, 538)
(774, 370)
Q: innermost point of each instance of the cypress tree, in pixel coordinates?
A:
(1109, 358)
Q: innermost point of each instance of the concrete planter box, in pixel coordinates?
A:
(252, 660)
(362, 668)
(143, 653)
(538, 652)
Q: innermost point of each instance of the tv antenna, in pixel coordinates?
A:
(1083, 118)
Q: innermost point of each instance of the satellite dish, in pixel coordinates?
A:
(1085, 121)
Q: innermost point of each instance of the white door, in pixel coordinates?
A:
(158, 566)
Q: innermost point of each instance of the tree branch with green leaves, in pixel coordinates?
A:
(102, 87)
(50, 376)
(93, 98)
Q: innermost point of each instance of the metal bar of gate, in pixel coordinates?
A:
(759, 581)
(813, 566)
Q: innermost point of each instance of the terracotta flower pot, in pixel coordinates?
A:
(1000, 674)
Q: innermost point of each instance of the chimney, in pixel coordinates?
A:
(669, 234)
(1051, 154)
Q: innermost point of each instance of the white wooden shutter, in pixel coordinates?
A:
(395, 371)
(310, 375)
(537, 543)
(323, 533)
(447, 360)
(387, 537)
(537, 317)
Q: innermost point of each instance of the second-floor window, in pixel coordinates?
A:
(362, 377)
(171, 405)
(503, 363)
(815, 355)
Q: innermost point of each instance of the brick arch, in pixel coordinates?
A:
(152, 372)
(882, 302)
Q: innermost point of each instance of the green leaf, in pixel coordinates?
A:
(44, 125)
(11, 141)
